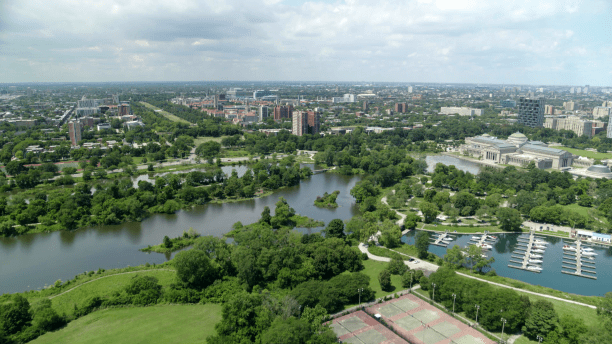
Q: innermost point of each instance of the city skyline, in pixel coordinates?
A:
(482, 42)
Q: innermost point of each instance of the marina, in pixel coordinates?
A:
(443, 239)
(483, 241)
(529, 253)
(580, 259)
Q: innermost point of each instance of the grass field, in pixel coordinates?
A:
(157, 324)
(166, 114)
(372, 268)
(104, 287)
(585, 153)
(462, 229)
(199, 140)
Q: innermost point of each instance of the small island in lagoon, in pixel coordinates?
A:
(328, 200)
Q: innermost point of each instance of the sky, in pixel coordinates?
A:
(539, 42)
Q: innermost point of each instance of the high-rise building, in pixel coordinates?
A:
(549, 110)
(569, 106)
(313, 122)
(602, 111)
(300, 123)
(123, 109)
(74, 131)
(115, 99)
(531, 112)
(401, 107)
(409, 89)
(281, 112)
(264, 111)
(607, 104)
(609, 133)
(365, 105)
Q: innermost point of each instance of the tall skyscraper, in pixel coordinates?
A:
(300, 123)
(74, 131)
(609, 133)
(401, 107)
(531, 112)
(281, 112)
(264, 111)
(313, 122)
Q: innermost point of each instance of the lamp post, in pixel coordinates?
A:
(477, 309)
(411, 276)
(454, 297)
(503, 325)
(360, 290)
(539, 338)
(434, 292)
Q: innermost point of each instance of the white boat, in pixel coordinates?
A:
(587, 249)
(486, 246)
(540, 242)
(539, 246)
(569, 248)
(535, 255)
(492, 237)
(476, 238)
(537, 251)
(447, 239)
(535, 261)
(589, 253)
(534, 268)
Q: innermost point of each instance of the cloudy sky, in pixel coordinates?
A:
(566, 42)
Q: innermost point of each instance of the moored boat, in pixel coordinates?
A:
(534, 268)
(569, 248)
(535, 261)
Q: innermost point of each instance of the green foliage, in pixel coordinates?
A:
(14, 315)
(334, 229)
(509, 219)
(422, 243)
(195, 269)
(384, 278)
(397, 266)
(454, 257)
(328, 200)
(429, 210)
(167, 242)
(542, 320)
(411, 220)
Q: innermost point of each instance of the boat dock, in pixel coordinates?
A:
(482, 240)
(575, 258)
(442, 240)
(523, 254)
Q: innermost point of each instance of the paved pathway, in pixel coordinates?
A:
(433, 267)
(399, 222)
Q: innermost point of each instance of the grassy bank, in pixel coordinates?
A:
(177, 244)
(156, 324)
(166, 114)
(585, 153)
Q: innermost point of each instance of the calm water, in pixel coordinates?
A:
(34, 260)
(551, 275)
(463, 165)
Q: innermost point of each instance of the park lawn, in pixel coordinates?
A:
(578, 209)
(585, 153)
(166, 114)
(103, 287)
(156, 324)
(462, 229)
(201, 139)
(226, 153)
(373, 268)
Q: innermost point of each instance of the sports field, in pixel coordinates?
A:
(420, 322)
(360, 328)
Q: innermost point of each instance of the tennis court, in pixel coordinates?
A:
(360, 328)
(420, 322)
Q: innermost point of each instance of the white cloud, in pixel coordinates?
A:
(443, 40)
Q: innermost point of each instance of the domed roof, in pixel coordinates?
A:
(486, 135)
(599, 169)
(518, 135)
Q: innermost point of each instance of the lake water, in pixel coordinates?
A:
(35, 260)
(551, 275)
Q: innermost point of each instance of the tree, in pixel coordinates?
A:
(335, 229)
(542, 320)
(384, 278)
(391, 234)
(509, 219)
(572, 328)
(429, 210)
(195, 269)
(396, 265)
(14, 315)
(208, 149)
(411, 220)
(422, 243)
(454, 257)
(167, 242)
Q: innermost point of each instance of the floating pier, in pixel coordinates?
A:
(440, 240)
(575, 259)
(522, 254)
(484, 239)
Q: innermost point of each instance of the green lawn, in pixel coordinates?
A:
(234, 153)
(104, 286)
(156, 324)
(198, 141)
(372, 269)
(462, 229)
(585, 153)
(166, 114)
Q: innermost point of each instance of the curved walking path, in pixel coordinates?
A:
(433, 267)
(402, 216)
(93, 280)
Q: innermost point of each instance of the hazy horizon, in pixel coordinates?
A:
(554, 43)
